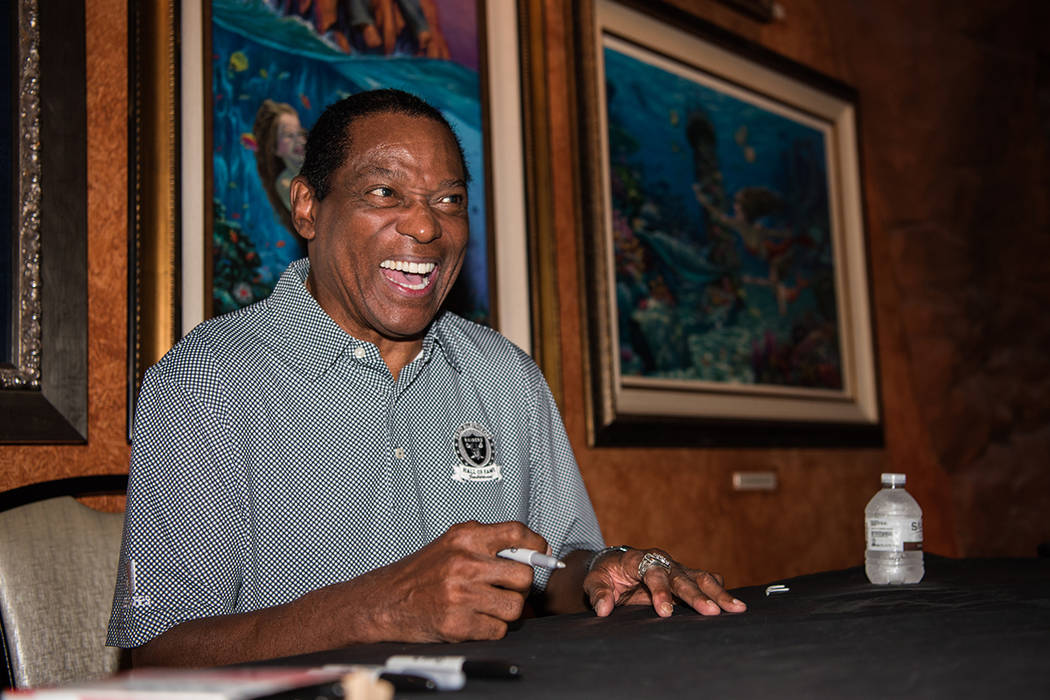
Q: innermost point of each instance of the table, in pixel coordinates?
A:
(971, 628)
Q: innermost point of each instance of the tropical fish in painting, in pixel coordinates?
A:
(238, 62)
(740, 136)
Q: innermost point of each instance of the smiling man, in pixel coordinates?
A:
(342, 461)
(387, 231)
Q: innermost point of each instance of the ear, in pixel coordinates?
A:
(303, 205)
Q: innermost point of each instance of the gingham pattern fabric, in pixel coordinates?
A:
(274, 454)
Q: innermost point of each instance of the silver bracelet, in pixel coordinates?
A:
(602, 552)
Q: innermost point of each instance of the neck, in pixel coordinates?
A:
(399, 355)
(396, 353)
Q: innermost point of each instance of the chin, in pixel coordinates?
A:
(409, 329)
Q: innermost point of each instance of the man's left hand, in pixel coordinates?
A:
(614, 580)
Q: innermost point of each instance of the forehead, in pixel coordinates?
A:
(394, 135)
(288, 119)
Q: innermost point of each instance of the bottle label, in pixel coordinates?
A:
(894, 533)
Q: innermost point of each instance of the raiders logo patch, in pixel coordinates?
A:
(474, 448)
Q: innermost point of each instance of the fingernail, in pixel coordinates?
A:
(737, 602)
(666, 609)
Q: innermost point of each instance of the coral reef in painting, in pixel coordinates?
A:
(236, 280)
(721, 233)
(278, 60)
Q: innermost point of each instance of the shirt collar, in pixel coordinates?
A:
(313, 342)
(439, 334)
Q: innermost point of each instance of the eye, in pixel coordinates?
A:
(456, 199)
(382, 191)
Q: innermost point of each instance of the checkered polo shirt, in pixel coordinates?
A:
(274, 454)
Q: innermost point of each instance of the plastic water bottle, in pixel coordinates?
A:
(893, 527)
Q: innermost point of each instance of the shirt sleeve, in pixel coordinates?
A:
(181, 555)
(560, 509)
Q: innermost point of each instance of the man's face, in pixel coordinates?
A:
(388, 241)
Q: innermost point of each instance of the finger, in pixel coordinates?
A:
(489, 539)
(658, 581)
(490, 628)
(501, 604)
(600, 594)
(508, 574)
(473, 625)
(687, 590)
(711, 586)
(477, 570)
(515, 534)
(635, 595)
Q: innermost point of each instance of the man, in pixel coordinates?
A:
(310, 472)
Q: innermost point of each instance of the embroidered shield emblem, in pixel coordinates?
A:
(475, 452)
(474, 445)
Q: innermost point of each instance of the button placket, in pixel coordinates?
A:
(395, 437)
(404, 476)
(398, 430)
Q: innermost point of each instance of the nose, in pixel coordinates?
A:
(419, 222)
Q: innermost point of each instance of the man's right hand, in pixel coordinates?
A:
(455, 588)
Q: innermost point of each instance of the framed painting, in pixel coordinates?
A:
(727, 270)
(247, 79)
(43, 264)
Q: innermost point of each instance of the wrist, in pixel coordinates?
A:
(602, 552)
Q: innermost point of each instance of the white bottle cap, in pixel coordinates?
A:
(893, 479)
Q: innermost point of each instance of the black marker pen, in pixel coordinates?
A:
(473, 668)
(490, 668)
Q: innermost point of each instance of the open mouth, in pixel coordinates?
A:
(410, 275)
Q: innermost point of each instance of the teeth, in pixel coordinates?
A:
(410, 267)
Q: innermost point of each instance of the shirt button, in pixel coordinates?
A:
(399, 452)
(359, 352)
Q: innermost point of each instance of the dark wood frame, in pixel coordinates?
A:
(761, 10)
(46, 402)
(543, 254)
(608, 423)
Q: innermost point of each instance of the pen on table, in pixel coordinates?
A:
(408, 681)
(532, 557)
(490, 668)
(474, 668)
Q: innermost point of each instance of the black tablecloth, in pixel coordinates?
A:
(971, 628)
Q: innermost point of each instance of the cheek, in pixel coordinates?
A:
(457, 232)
